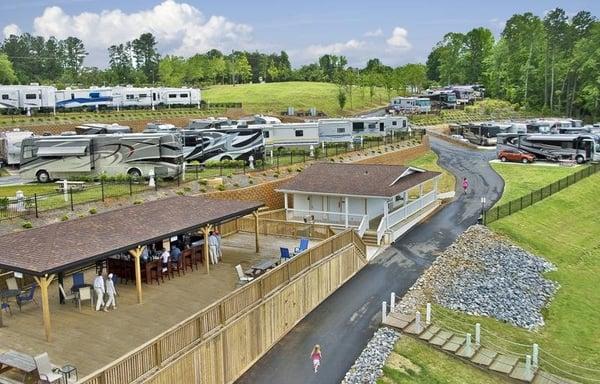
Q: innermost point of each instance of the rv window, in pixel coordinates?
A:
(404, 123)
(341, 130)
(142, 95)
(183, 95)
(72, 96)
(394, 123)
(95, 95)
(31, 96)
(265, 133)
(28, 151)
(372, 126)
(130, 97)
(299, 133)
(4, 97)
(172, 95)
(358, 127)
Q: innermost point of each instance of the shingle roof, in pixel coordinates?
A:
(67, 244)
(356, 179)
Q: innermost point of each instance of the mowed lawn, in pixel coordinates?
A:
(277, 97)
(521, 179)
(429, 161)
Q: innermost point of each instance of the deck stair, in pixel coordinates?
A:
(370, 238)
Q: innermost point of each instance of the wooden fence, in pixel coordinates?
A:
(218, 344)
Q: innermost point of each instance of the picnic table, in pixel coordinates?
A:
(19, 361)
(73, 185)
(261, 267)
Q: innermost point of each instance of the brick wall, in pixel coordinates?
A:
(264, 192)
(400, 157)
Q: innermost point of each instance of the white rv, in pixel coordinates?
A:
(52, 157)
(93, 98)
(178, 96)
(27, 97)
(410, 104)
(335, 131)
(291, 135)
(223, 144)
(10, 145)
(378, 125)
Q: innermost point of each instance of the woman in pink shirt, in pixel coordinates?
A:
(465, 184)
(315, 356)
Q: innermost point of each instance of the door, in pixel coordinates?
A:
(381, 127)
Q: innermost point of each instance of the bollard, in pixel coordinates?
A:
(392, 301)
(528, 365)
(183, 167)
(66, 189)
(468, 347)
(312, 150)
(418, 328)
(534, 355)
(428, 314)
(477, 334)
(20, 198)
(151, 182)
(383, 312)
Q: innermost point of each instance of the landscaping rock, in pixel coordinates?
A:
(484, 274)
(369, 365)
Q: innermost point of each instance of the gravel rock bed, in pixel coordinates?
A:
(369, 365)
(484, 274)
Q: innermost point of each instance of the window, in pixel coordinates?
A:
(394, 122)
(172, 95)
(29, 151)
(94, 95)
(341, 130)
(142, 95)
(4, 97)
(130, 97)
(265, 133)
(31, 96)
(299, 133)
(404, 123)
(372, 126)
(358, 127)
(183, 95)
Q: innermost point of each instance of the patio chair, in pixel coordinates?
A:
(70, 296)
(44, 368)
(177, 266)
(285, 253)
(26, 297)
(243, 278)
(85, 293)
(78, 279)
(11, 284)
(188, 260)
(303, 245)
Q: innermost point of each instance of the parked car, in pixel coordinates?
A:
(516, 156)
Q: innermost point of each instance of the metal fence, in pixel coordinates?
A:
(525, 201)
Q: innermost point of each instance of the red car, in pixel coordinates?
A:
(516, 156)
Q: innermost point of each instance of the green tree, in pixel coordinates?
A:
(74, 52)
(145, 55)
(7, 73)
(172, 70)
(341, 98)
(479, 43)
(243, 71)
(121, 62)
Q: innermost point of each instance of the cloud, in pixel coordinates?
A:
(399, 39)
(11, 29)
(316, 50)
(179, 28)
(375, 33)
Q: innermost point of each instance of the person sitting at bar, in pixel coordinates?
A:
(164, 257)
(175, 253)
(145, 255)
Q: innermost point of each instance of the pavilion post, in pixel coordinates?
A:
(255, 214)
(137, 253)
(206, 232)
(346, 211)
(44, 282)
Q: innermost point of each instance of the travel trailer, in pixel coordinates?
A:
(410, 105)
(46, 158)
(378, 125)
(91, 98)
(27, 97)
(10, 146)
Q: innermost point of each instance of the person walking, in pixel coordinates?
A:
(213, 244)
(218, 236)
(465, 184)
(316, 356)
(111, 292)
(99, 288)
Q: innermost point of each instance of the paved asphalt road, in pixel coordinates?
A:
(344, 323)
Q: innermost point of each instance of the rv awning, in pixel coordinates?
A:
(75, 150)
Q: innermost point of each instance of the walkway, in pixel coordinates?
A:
(345, 322)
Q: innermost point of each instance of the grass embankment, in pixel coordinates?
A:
(429, 161)
(274, 98)
(521, 179)
(414, 362)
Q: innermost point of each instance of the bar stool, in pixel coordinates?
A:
(188, 260)
(155, 273)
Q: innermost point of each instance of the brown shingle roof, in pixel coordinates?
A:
(67, 244)
(356, 179)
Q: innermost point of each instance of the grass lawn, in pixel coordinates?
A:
(428, 161)
(277, 97)
(415, 362)
(4, 172)
(521, 179)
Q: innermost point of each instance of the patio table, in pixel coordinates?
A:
(20, 361)
(263, 266)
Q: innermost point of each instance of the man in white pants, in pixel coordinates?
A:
(99, 289)
(213, 246)
(111, 292)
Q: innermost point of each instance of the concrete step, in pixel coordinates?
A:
(542, 377)
(441, 338)
(454, 343)
(399, 320)
(429, 333)
(466, 352)
(504, 363)
(484, 356)
(521, 374)
(412, 328)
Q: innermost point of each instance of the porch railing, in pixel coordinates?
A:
(324, 217)
(364, 225)
(403, 212)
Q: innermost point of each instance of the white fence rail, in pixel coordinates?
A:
(364, 225)
(403, 212)
(323, 217)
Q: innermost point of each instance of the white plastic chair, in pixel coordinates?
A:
(44, 369)
(70, 296)
(243, 278)
(85, 293)
(11, 283)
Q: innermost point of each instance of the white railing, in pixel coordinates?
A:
(409, 209)
(364, 225)
(323, 217)
(381, 228)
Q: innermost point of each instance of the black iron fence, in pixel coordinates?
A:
(527, 200)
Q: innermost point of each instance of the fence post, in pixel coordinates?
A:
(383, 312)
(528, 365)
(521, 207)
(477, 334)
(102, 188)
(303, 156)
(36, 206)
(71, 195)
(292, 156)
(220, 168)
(197, 171)
(468, 349)
(418, 327)
(510, 208)
(278, 161)
(392, 301)
(534, 355)
(131, 186)
(428, 314)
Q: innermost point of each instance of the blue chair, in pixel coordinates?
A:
(78, 281)
(303, 245)
(26, 297)
(285, 253)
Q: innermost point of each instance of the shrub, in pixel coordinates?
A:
(93, 211)
(4, 201)
(298, 169)
(187, 189)
(64, 218)
(81, 215)
(276, 175)
(180, 192)
(137, 202)
(290, 170)
(27, 224)
(203, 190)
(250, 181)
(221, 187)
(203, 182)
(236, 185)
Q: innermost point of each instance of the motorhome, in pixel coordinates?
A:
(223, 144)
(485, 133)
(442, 99)
(137, 154)
(27, 97)
(410, 105)
(378, 125)
(160, 127)
(210, 122)
(90, 98)
(10, 146)
(579, 148)
(101, 128)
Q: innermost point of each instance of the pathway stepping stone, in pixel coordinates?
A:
(399, 320)
(441, 338)
(454, 343)
(504, 363)
(484, 356)
(547, 378)
(462, 352)
(520, 373)
(429, 333)
(412, 328)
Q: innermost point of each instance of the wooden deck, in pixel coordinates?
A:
(89, 340)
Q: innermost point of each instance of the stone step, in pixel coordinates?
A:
(504, 364)
(454, 343)
(542, 377)
(484, 356)
(399, 320)
(463, 352)
(429, 333)
(412, 328)
(521, 374)
(441, 338)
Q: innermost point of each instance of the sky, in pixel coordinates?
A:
(396, 32)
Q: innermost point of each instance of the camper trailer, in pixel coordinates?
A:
(378, 125)
(10, 146)
(27, 97)
(580, 148)
(335, 131)
(223, 144)
(410, 105)
(90, 98)
(291, 135)
(45, 158)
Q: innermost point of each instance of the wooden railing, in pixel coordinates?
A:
(276, 214)
(204, 325)
(283, 228)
